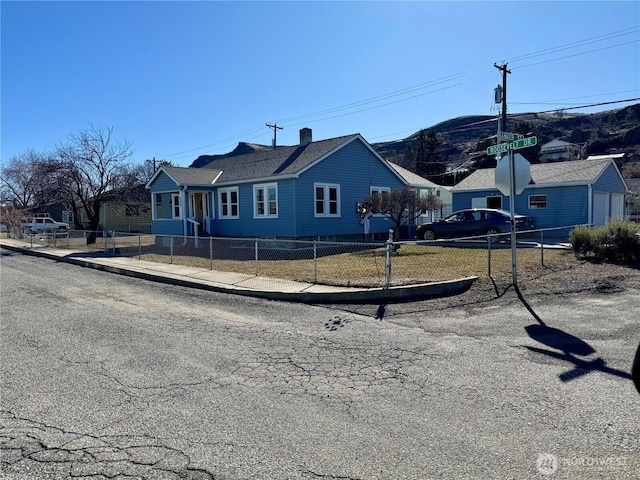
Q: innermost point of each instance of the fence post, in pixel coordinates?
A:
(489, 256)
(256, 255)
(171, 249)
(210, 253)
(315, 261)
(387, 260)
(104, 241)
(542, 247)
(139, 246)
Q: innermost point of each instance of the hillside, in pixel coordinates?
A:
(465, 139)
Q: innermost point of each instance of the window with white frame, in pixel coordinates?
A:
(265, 200)
(327, 200)
(205, 204)
(158, 205)
(228, 203)
(175, 205)
(380, 192)
(537, 201)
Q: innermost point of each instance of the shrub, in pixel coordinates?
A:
(617, 241)
(581, 241)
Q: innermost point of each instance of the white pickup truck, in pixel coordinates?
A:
(44, 224)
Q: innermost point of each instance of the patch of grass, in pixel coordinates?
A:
(412, 264)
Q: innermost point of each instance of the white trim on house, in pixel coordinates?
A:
(229, 203)
(266, 201)
(326, 200)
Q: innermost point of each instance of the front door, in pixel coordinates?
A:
(197, 209)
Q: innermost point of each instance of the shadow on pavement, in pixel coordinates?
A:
(569, 348)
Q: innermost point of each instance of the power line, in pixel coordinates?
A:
(557, 100)
(348, 109)
(588, 41)
(577, 54)
(516, 115)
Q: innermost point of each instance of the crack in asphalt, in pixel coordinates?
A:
(74, 455)
(328, 476)
(328, 369)
(141, 393)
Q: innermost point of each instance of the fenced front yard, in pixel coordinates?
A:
(330, 263)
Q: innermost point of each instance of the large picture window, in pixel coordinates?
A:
(228, 202)
(265, 200)
(327, 200)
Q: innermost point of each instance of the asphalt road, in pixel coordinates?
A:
(108, 377)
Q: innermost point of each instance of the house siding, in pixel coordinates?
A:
(609, 181)
(164, 183)
(355, 168)
(248, 226)
(566, 205)
(134, 217)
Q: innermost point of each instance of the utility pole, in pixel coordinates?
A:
(512, 179)
(503, 121)
(275, 129)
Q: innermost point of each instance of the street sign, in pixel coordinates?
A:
(515, 145)
(522, 177)
(508, 136)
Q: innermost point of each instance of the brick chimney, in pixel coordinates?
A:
(305, 136)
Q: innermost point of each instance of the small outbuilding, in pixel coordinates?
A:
(560, 194)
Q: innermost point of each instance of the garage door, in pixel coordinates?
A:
(617, 205)
(600, 207)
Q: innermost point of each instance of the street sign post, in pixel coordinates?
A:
(514, 145)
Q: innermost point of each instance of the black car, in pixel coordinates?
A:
(472, 222)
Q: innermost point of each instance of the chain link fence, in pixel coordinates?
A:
(382, 264)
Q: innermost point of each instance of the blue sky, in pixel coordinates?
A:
(181, 79)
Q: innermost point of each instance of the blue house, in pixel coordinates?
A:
(559, 194)
(307, 191)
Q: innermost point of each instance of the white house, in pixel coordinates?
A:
(558, 151)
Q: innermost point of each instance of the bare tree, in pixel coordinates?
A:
(401, 206)
(93, 163)
(19, 182)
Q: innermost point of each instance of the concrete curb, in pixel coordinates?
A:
(396, 294)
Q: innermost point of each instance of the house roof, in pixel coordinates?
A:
(411, 178)
(261, 164)
(279, 161)
(188, 176)
(556, 144)
(576, 172)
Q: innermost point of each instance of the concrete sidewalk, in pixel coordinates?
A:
(242, 284)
